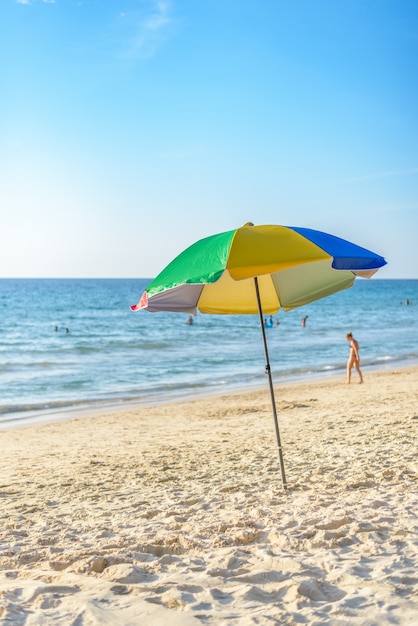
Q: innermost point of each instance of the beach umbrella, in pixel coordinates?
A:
(258, 270)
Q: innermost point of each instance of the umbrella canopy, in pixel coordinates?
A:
(294, 266)
(258, 269)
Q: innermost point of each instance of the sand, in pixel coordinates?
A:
(174, 514)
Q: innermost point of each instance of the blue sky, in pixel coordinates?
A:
(132, 128)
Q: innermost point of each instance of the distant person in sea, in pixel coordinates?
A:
(354, 358)
(304, 320)
(189, 320)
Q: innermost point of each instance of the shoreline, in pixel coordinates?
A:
(174, 514)
(18, 419)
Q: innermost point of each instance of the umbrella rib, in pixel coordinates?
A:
(268, 372)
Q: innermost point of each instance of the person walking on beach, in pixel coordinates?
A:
(354, 358)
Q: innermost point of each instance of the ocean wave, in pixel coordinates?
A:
(114, 356)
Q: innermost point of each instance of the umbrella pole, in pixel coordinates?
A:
(268, 372)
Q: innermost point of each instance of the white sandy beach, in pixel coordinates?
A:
(174, 514)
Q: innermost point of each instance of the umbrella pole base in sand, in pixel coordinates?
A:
(268, 372)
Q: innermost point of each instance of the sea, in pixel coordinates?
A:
(73, 345)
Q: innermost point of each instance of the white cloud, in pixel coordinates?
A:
(407, 172)
(29, 1)
(150, 31)
(159, 18)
